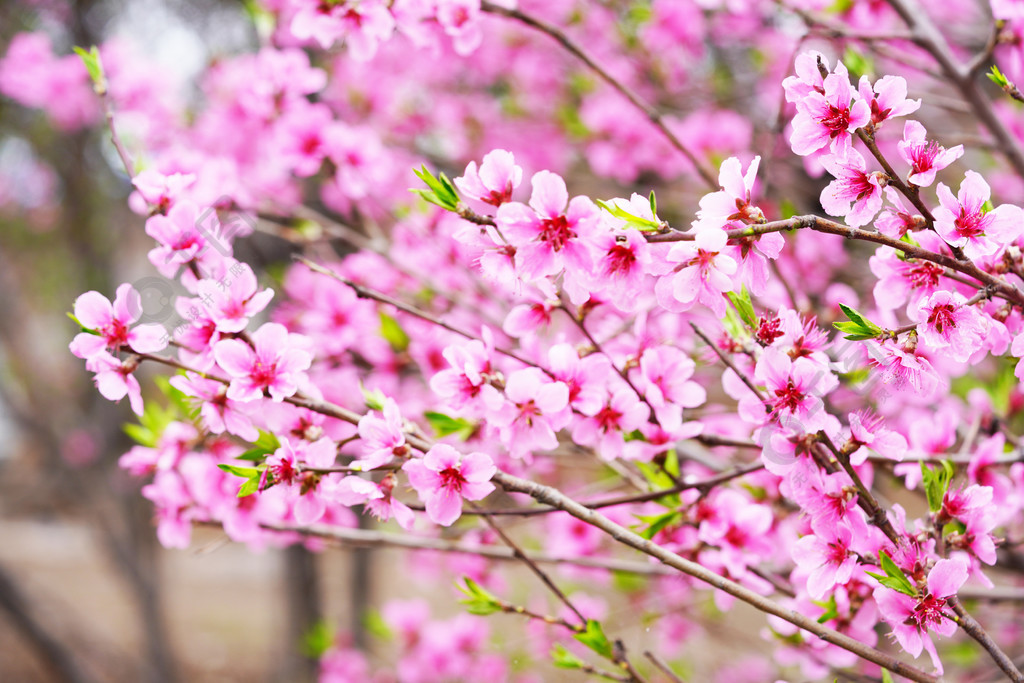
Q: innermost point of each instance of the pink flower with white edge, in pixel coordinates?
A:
(828, 119)
(829, 552)
(913, 618)
(945, 322)
(926, 158)
(548, 236)
(536, 408)
(274, 363)
(383, 439)
(465, 385)
(496, 179)
(703, 274)
(114, 379)
(887, 98)
(234, 299)
(184, 236)
(444, 477)
(962, 221)
(808, 77)
(794, 389)
(903, 367)
(733, 201)
(853, 185)
(112, 322)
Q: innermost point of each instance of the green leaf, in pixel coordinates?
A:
(997, 77)
(564, 659)
(894, 577)
(594, 638)
(374, 400)
(393, 333)
(318, 640)
(656, 523)
(632, 221)
(93, 64)
(244, 472)
(744, 306)
(81, 326)
(887, 677)
(249, 486)
(654, 204)
(441, 190)
(263, 446)
(859, 327)
(444, 425)
(936, 483)
(140, 435)
(478, 600)
(375, 625)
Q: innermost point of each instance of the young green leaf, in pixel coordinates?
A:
(594, 638)
(444, 425)
(997, 77)
(859, 327)
(564, 659)
(478, 600)
(744, 306)
(393, 333)
(894, 577)
(936, 483)
(93, 64)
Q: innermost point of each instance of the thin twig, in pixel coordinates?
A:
(650, 112)
(662, 666)
(970, 625)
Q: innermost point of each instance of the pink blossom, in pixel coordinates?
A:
(114, 379)
(460, 19)
(376, 498)
(621, 414)
(808, 77)
(913, 618)
(852, 185)
(830, 554)
(827, 119)
(111, 323)
(903, 367)
(535, 409)
(218, 412)
(704, 272)
(300, 137)
(363, 25)
(547, 236)
(623, 258)
(945, 322)
(963, 221)
(887, 98)
(926, 158)
(382, 439)
(666, 380)
(274, 363)
(585, 377)
(794, 389)
(752, 253)
(284, 469)
(234, 299)
(869, 431)
(162, 191)
(184, 236)
(733, 201)
(465, 385)
(443, 477)
(898, 219)
(495, 181)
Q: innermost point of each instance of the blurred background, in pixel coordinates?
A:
(86, 592)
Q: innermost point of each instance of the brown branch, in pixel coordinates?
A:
(555, 498)
(662, 666)
(971, 626)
